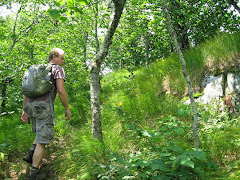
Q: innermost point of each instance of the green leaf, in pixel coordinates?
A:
(157, 164)
(144, 164)
(61, 2)
(168, 133)
(77, 10)
(179, 131)
(82, 2)
(165, 154)
(200, 155)
(131, 126)
(176, 164)
(175, 148)
(54, 13)
(186, 161)
(62, 18)
(71, 3)
(214, 165)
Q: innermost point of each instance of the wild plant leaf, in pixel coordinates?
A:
(186, 161)
(175, 148)
(143, 163)
(157, 164)
(168, 133)
(147, 134)
(164, 128)
(131, 126)
(176, 164)
(179, 131)
(182, 112)
(200, 155)
(213, 165)
(165, 154)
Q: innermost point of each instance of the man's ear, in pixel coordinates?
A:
(54, 57)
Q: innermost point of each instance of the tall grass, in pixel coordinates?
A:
(143, 122)
(222, 53)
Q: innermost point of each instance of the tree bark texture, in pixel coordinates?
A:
(184, 71)
(95, 69)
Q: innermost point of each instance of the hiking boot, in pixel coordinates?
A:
(33, 175)
(29, 155)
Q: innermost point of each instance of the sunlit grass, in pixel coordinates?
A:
(148, 99)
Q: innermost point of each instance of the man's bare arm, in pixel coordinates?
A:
(24, 114)
(63, 97)
(24, 100)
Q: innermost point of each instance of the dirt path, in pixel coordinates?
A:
(47, 167)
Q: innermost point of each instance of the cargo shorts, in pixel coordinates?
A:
(39, 113)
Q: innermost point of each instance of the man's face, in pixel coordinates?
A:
(59, 60)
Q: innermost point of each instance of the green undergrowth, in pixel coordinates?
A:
(147, 130)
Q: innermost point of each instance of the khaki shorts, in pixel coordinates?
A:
(39, 113)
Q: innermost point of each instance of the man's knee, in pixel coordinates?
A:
(40, 145)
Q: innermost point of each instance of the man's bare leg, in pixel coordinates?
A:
(38, 155)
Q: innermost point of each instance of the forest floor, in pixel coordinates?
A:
(48, 168)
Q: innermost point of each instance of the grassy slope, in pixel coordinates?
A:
(142, 100)
(149, 94)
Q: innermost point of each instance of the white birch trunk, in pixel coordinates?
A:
(184, 71)
(95, 69)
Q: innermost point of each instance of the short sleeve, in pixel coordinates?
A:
(58, 72)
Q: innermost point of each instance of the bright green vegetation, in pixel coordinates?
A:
(147, 130)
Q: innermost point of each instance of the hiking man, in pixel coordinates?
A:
(41, 112)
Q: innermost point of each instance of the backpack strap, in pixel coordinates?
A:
(51, 105)
(49, 68)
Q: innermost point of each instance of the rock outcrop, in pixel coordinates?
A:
(223, 90)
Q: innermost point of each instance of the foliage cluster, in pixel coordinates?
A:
(160, 156)
(146, 129)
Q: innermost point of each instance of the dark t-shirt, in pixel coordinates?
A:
(57, 73)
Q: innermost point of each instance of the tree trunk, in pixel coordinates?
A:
(184, 71)
(95, 69)
(95, 103)
(5, 82)
(4, 91)
(96, 28)
(85, 51)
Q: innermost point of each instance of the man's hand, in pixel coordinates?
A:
(68, 114)
(24, 117)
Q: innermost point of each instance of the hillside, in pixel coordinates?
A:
(147, 129)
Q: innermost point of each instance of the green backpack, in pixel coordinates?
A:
(37, 80)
